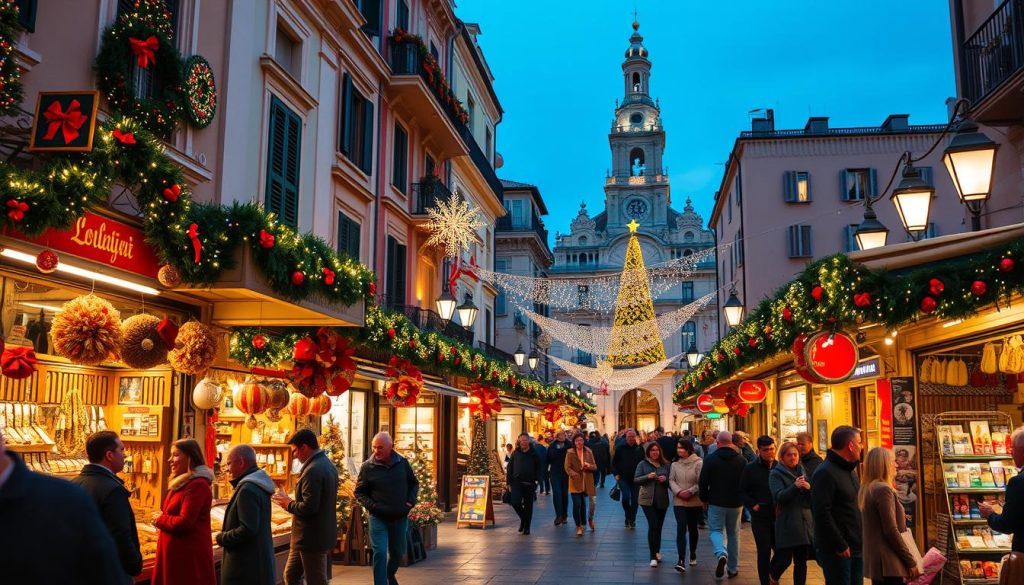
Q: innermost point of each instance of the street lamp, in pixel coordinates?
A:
(913, 199)
(870, 233)
(519, 356)
(446, 305)
(467, 313)
(533, 360)
(692, 355)
(733, 309)
(970, 159)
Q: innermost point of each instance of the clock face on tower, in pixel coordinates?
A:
(636, 209)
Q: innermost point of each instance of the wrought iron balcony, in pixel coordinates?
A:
(427, 320)
(482, 163)
(427, 193)
(992, 57)
(496, 353)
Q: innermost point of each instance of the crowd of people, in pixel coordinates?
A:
(801, 507)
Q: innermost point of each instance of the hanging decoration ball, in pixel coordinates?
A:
(1006, 265)
(259, 341)
(143, 347)
(87, 331)
(266, 239)
(979, 288)
(412, 344)
(252, 399)
(279, 395)
(207, 394)
(299, 405)
(862, 300)
(169, 276)
(936, 286)
(197, 351)
(752, 342)
(787, 314)
(329, 276)
(736, 350)
(928, 305)
(320, 405)
(273, 414)
(298, 278)
(391, 333)
(46, 261)
(817, 292)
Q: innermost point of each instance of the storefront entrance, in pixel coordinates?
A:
(639, 409)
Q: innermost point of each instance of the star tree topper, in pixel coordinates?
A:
(454, 224)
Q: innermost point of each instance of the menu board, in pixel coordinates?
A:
(475, 507)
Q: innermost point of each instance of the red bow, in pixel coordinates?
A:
(172, 193)
(18, 362)
(484, 400)
(552, 413)
(862, 299)
(407, 381)
(17, 209)
(123, 137)
(144, 51)
(266, 239)
(328, 276)
(193, 234)
(67, 122)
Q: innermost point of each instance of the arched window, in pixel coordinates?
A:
(687, 252)
(636, 118)
(636, 82)
(688, 237)
(583, 240)
(636, 162)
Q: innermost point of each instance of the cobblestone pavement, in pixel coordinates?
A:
(610, 555)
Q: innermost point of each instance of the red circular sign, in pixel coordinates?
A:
(752, 391)
(705, 403)
(825, 358)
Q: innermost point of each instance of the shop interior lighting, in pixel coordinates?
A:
(952, 323)
(66, 268)
(52, 308)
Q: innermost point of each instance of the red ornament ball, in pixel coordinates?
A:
(817, 292)
(298, 278)
(787, 314)
(752, 342)
(458, 360)
(440, 357)
(928, 305)
(979, 288)
(47, 261)
(391, 333)
(1006, 265)
(259, 341)
(169, 276)
(373, 288)
(736, 350)
(412, 344)
(936, 286)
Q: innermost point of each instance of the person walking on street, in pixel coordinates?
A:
(888, 559)
(387, 488)
(837, 518)
(683, 483)
(809, 458)
(559, 480)
(668, 445)
(652, 477)
(791, 491)
(602, 455)
(627, 456)
(579, 466)
(757, 497)
(742, 442)
(544, 481)
(693, 440)
(1011, 519)
(720, 489)
(523, 473)
(98, 478)
(314, 524)
(37, 508)
(184, 547)
(246, 536)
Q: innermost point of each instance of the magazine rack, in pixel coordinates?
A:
(973, 453)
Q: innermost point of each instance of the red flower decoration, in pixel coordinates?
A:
(862, 299)
(16, 209)
(328, 275)
(979, 288)
(1006, 265)
(266, 239)
(552, 412)
(373, 288)
(752, 342)
(406, 382)
(817, 292)
(172, 193)
(323, 364)
(928, 304)
(123, 137)
(18, 362)
(298, 278)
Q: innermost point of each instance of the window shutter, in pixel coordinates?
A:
(354, 237)
(290, 205)
(789, 186)
(874, 183)
(367, 161)
(372, 13)
(342, 243)
(851, 241)
(402, 16)
(400, 278)
(805, 240)
(791, 240)
(390, 277)
(282, 195)
(344, 131)
(27, 14)
(844, 185)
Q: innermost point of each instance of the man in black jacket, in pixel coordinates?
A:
(757, 497)
(52, 532)
(719, 485)
(387, 488)
(627, 456)
(559, 478)
(668, 445)
(246, 536)
(809, 458)
(1011, 520)
(98, 478)
(523, 473)
(602, 454)
(314, 524)
(838, 535)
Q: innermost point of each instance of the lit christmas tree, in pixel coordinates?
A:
(334, 446)
(424, 471)
(634, 305)
(481, 461)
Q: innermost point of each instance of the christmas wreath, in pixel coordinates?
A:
(10, 75)
(200, 91)
(405, 382)
(139, 48)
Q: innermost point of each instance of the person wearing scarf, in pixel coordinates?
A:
(184, 547)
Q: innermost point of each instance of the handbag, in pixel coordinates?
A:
(908, 539)
(615, 493)
(1012, 570)
(506, 496)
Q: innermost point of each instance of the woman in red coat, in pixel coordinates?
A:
(184, 548)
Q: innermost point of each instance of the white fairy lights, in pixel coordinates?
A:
(618, 379)
(453, 224)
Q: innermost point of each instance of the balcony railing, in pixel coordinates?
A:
(427, 320)
(535, 225)
(496, 353)
(994, 52)
(649, 178)
(483, 164)
(428, 193)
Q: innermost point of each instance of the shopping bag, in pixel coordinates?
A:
(931, 565)
(615, 493)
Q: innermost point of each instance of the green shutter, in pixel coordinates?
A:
(400, 277)
(844, 185)
(343, 229)
(371, 10)
(344, 130)
(353, 239)
(283, 160)
(366, 164)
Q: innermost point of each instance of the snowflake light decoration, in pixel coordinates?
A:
(453, 224)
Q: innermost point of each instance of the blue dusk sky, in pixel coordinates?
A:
(557, 69)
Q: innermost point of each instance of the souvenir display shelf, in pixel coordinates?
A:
(973, 456)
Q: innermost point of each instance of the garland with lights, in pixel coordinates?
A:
(200, 91)
(835, 293)
(197, 239)
(142, 37)
(10, 74)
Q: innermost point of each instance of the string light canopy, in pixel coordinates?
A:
(605, 376)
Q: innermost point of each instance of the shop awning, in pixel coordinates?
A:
(527, 406)
(375, 373)
(915, 254)
(242, 297)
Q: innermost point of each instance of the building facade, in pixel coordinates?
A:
(637, 189)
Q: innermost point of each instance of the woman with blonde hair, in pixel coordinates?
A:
(888, 559)
(794, 525)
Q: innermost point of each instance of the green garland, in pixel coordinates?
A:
(394, 335)
(114, 62)
(835, 293)
(200, 91)
(10, 74)
(60, 191)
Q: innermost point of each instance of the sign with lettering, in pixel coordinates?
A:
(825, 357)
(103, 240)
(752, 391)
(475, 507)
(705, 403)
